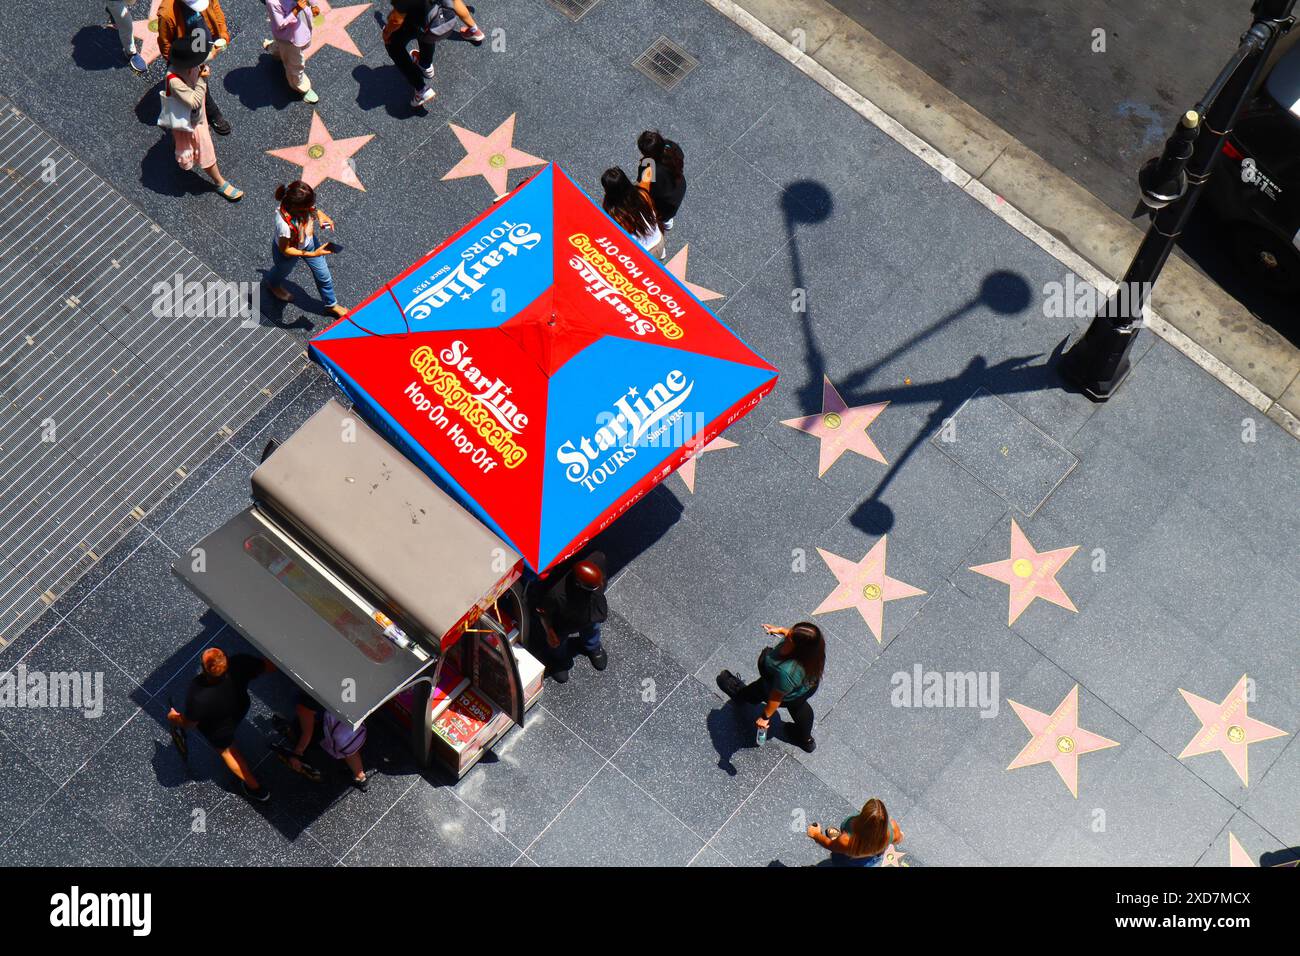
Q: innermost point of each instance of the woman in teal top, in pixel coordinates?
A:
(788, 675)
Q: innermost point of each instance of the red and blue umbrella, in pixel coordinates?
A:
(543, 368)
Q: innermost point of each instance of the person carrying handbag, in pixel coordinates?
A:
(788, 676)
(183, 111)
(298, 227)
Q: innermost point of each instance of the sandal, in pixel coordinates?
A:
(284, 295)
(361, 783)
(232, 193)
(336, 310)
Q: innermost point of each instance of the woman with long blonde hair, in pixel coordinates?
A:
(863, 839)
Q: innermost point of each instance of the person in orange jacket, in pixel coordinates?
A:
(195, 22)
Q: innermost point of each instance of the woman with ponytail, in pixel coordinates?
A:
(788, 675)
(661, 172)
(298, 225)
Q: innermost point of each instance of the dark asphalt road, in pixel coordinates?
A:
(1030, 67)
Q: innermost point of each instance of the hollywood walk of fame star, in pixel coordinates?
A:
(1237, 855)
(323, 157)
(146, 34)
(330, 28)
(1058, 738)
(677, 266)
(687, 470)
(1227, 728)
(491, 156)
(840, 428)
(1029, 574)
(893, 856)
(865, 586)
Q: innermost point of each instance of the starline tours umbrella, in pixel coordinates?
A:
(543, 368)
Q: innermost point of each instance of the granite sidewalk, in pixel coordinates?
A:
(1155, 536)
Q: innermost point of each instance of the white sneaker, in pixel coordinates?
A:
(422, 97)
(415, 58)
(669, 223)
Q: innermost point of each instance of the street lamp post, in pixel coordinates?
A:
(1171, 184)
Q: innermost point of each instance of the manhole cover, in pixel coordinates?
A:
(574, 9)
(666, 63)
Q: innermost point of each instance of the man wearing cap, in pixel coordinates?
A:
(200, 23)
(572, 608)
(217, 704)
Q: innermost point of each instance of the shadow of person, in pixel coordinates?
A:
(160, 174)
(1287, 857)
(95, 48)
(260, 85)
(271, 311)
(384, 87)
(637, 529)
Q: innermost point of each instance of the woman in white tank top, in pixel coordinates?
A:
(630, 205)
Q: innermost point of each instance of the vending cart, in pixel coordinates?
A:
(373, 590)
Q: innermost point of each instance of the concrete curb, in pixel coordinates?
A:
(1020, 187)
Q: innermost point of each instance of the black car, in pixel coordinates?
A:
(1255, 189)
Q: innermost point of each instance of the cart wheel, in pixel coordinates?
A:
(511, 611)
(1265, 259)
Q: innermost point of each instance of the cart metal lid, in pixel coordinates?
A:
(372, 509)
(312, 630)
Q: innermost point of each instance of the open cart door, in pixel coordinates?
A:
(302, 616)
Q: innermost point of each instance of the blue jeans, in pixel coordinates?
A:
(282, 265)
(586, 641)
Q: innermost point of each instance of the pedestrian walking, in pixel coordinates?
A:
(425, 22)
(186, 87)
(338, 740)
(291, 26)
(629, 204)
(861, 840)
(662, 172)
(217, 703)
(788, 676)
(119, 17)
(572, 609)
(298, 228)
(199, 25)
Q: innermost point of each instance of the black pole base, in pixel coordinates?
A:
(1098, 363)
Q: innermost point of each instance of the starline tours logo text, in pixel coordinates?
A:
(635, 421)
(502, 242)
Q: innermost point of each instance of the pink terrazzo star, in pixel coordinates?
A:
(1058, 739)
(146, 34)
(491, 156)
(687, 470)
(865, 586)
(1227, 728)
(330, 28)
(840, 428)
(677, 266)
(1237, 855)
(323, 157)
(1029, 574)
(893, 856)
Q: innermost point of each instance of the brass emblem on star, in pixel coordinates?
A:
(832, 420)
(316, 152)
(871, 592)
(497, 160)
(1236, 734)
(1065, 745)
(1022, 568)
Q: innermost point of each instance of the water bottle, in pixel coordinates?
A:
(762, 735)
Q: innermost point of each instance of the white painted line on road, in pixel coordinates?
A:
(1009, 214)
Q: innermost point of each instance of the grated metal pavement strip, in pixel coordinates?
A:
(104, 406)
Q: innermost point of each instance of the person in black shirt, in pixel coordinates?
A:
(572, 608)
(662, 172)
(217, 703)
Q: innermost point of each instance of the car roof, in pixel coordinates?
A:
(1283, 82)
